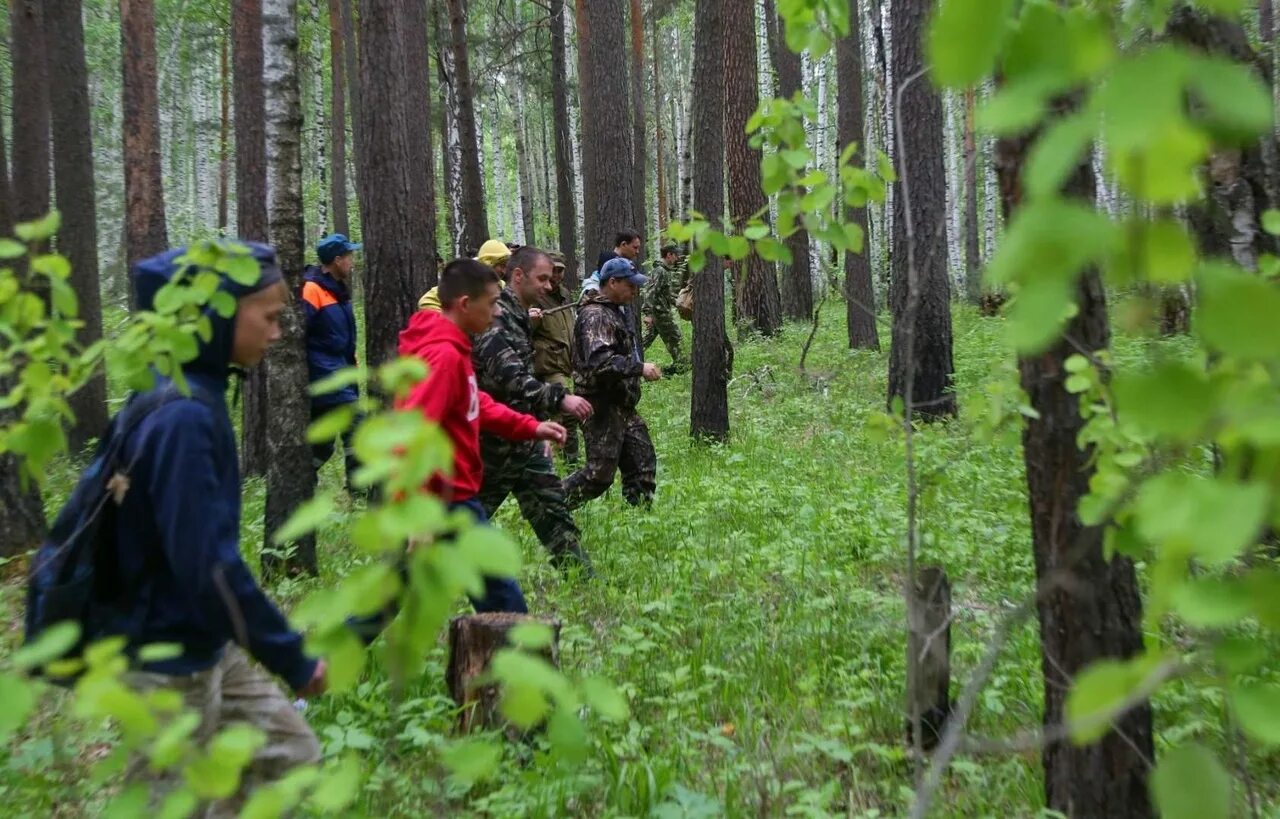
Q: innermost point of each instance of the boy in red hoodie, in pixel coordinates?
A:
(468, 293)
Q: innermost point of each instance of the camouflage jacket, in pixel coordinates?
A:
(503, 358)
(553, 337)
(606, 360)
(662, 288)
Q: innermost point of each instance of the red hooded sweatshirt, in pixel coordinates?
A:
(449, 396)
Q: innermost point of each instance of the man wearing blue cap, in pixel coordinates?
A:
(331, 338)
(607, 370)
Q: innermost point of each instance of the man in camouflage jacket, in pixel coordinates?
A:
(552, 343)
(503, 359)
(665, 281)
(607, 370)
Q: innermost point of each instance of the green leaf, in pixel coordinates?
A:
(605, 699)
(9, 249)
(567, 736)
(524, 705)
(531, 635)
(331, 425)
(1211, 603)
(1171, 400)
(19, 698)
(129, 803)
(1235, 102)
(305, 519)
(179, 804)
(156, 652)
(1190, 783)
(53, 643)
(40, 229)
(471, 760)
(964, 40)
(1098, 693)
(1257, 708)
(490, 550)
(1056, 154)
(339, 787)
(1237, 313)
(1213, 519)
(242, 270)
(1271, 221)
(1016, 106)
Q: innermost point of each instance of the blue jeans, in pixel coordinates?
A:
(500, 593)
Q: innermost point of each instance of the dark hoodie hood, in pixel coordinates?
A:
(214, 355)
(428, 328)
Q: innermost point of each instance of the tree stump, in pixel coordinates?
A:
(473, 640)
(929, 656)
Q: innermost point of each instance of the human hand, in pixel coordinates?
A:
(535, 314)
(551, 431)
(577, 406)
(652, 372)
(318, 684)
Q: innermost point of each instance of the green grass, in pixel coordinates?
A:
(752, 616)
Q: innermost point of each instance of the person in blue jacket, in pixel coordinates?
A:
(331, 337)
(178, 544)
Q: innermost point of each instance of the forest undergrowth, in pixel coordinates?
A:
(753, 618)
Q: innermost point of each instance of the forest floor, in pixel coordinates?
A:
(752, 616)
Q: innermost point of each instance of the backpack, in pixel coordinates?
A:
(684, 302)
(74, 574)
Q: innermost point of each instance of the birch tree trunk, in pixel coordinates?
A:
(290, 476)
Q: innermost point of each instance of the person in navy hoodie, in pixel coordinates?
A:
(331, 338)
(178, 544)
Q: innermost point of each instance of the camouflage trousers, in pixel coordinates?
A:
(570, 423)
(524, 469)
(664, 325)
(616, 439)
(234, 690)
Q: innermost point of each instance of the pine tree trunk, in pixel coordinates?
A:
(290, 477)
(759, 303)
(145, 230)
(73, 172)
(224, 138)
(422, 213)
(566, 199)
(860, 297)
(251, 199)
(474, 226)
(397, 263)
(712, 354)
(338, 122)
(639, 152)
(1089, 606)
(606, 136)
(920, 292)
(22, 521)
(797, 284)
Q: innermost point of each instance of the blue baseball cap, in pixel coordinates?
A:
(335, 245)
(621, 268)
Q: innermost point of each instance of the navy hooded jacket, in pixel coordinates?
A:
(178, 528)
(331, 333)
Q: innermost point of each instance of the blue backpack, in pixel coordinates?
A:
(74, 575)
